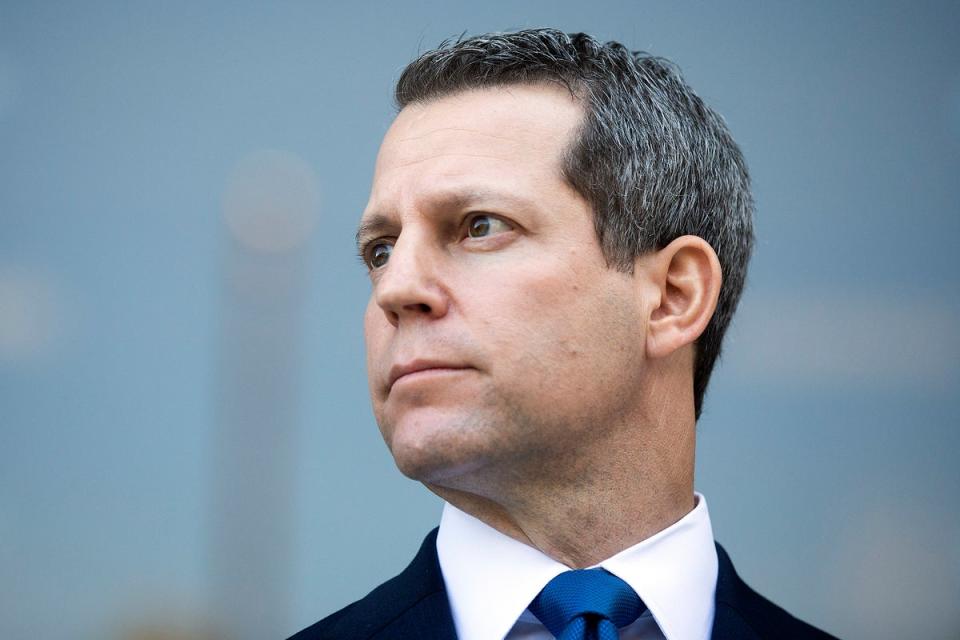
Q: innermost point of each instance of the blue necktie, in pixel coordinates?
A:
(586, 604)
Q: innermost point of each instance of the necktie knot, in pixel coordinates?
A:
(576, 599)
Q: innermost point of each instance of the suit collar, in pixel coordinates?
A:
(414, 604)
(421, 607)
(411, 605)
(731, 599)
(743, 614)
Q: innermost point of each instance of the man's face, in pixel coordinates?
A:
(496, 336)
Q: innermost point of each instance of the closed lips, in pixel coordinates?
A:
(398, 371)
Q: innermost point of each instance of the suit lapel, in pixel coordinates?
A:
(743, 613)
(429, 617)
(411, 605)
(731, 601)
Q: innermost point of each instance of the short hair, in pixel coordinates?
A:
(651, 158)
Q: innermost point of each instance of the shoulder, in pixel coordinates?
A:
(412, 604)
(741, 612)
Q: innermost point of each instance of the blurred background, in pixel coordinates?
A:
(186, 445)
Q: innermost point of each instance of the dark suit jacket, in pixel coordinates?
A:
(414, 606)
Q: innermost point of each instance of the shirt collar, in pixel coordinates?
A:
(491, 578)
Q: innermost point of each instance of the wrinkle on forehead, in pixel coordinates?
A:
(459, 142)
(513, 140)
(460, 129)
(498, 113)
(432, 156)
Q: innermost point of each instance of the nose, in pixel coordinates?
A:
(410, 285)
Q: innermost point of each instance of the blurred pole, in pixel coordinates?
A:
(269, 206)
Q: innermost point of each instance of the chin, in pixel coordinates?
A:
(436, 450)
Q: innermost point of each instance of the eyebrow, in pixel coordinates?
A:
(375, 224)
(372, 226)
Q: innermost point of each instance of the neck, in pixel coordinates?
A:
(586, 509)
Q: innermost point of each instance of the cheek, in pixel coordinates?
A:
(566, 338)
(571, 309)
(375, 328)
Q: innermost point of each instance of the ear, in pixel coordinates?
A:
(687, 275)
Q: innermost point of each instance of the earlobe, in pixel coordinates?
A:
(688, 277)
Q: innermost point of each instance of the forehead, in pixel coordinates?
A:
(508, 137)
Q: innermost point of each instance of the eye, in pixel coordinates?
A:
(377, 253)
(483, 225)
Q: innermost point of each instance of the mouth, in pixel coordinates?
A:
(416, 369)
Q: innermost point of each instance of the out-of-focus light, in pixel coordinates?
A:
(165, 625)
(271, 201)
(29, 315)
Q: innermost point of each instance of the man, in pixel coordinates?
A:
(557, 236)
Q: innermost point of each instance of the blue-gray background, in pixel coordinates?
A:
(186, 445)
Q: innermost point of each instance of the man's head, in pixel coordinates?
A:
(526, 180)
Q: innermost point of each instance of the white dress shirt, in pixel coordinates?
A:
(491, 578)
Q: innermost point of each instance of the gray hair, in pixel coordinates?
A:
(652, 159)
